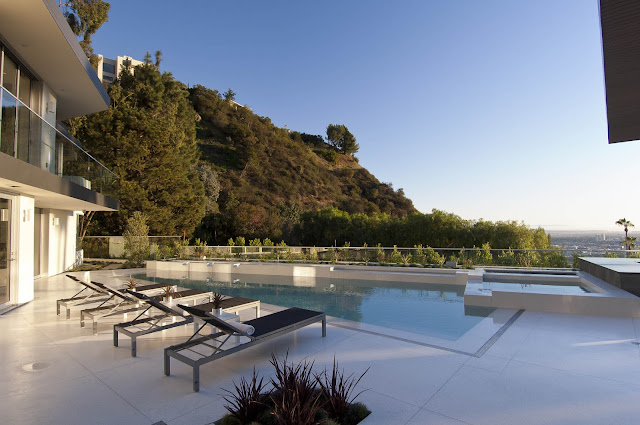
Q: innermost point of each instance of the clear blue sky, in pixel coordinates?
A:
(487, 109)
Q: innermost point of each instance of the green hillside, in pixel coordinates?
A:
(268, 175)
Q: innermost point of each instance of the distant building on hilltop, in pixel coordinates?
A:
(109, 69)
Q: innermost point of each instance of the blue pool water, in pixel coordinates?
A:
(426, 309)
(539, 288)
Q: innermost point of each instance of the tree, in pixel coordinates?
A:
(85, 17)
(626, 224)
(136, 239)
(341, 138)
(211, 183)
(229, 95)
(147, 137)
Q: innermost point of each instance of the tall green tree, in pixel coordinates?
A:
(626, 224)
(85, 17)
(147, 137)
(229, 95)
(341, 138)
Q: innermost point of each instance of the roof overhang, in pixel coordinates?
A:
(50, 190)
(37, 32)
(620, 24)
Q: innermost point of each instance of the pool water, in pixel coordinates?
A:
(538, 288)
(432, 310)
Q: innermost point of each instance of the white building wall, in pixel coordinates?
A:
(62, 241)
(23, 240)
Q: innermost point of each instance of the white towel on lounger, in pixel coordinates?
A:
(247, 329)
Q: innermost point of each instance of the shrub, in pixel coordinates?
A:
(295, 398)
(136, 239)
(482, 256)
(506, 258)
(395, 256)
(380, 256)
(356, 414)
(419, 255)
(338, 390)
(433, 257)
(246, 402)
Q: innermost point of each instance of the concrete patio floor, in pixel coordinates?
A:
(545, 369)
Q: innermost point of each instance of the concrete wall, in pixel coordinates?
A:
(23, 248)
(398, 274)
(61, 240)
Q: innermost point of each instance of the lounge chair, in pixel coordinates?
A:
(192, 352)
(124, 303)
(149, 324)
(89, 294)
(96, 293)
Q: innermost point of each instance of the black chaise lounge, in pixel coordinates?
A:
(96, 292)
(194, 351)
(149, 324)
(124, 303)
(89, 294)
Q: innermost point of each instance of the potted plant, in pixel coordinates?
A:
(168, 293)
(217, 304)
(131, 284)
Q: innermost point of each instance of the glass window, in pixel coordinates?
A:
(25, 88)
(10, 75)
(24, 119)
(107, 78)
(8, 124)
(109, 67)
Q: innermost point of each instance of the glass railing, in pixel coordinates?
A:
(27, 136)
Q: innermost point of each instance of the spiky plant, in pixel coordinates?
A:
(295, 397)
(169, 291)
(131, 283)
(338, 390)
(216, 299)
(246, 402)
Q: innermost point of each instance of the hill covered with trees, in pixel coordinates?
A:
(268, 176)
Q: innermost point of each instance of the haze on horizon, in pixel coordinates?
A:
(491, 110)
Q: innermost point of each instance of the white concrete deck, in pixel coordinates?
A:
(546, 368)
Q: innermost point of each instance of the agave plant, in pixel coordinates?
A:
(338, 390)
(169, 291)
(131, 284)
(217, 300)
(246, 402)
(295, 397)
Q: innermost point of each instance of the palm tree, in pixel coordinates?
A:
(626, 224)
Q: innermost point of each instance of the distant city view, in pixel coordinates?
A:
(590, 240)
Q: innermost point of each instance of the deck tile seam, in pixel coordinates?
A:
(423, 344)
(573, 372)
(446, 416)
(441, 387)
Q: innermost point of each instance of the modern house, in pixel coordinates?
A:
(109, 69)
(46, 178)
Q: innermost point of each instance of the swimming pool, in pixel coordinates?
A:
(536, 287)
(431, 310)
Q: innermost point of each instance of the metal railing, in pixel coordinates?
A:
(172, 247)
(27, 136)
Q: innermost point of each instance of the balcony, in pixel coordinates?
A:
(65, 174)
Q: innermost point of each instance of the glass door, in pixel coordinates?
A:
(5, 249)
